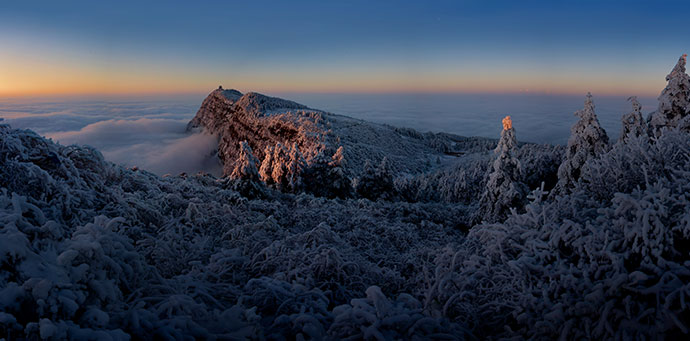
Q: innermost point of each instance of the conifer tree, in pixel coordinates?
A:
(587, 140)
(504, 188)
(295, 166)
(376, 183)
(326, 177)
(674, 100)
(245, 177)
(281, 161)
(266, 170)
(633, 123)
(340, 183)
(245, 166)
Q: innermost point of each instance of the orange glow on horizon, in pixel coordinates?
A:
(45, 77)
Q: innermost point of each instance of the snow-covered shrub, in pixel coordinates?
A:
(634, 164)
(378, 318)
(175, 254)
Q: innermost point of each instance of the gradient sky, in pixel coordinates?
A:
(122, 47)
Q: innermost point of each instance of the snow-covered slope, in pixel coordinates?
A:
(91, 250)
(265, 121)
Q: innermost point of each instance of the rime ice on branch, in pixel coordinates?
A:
(587, 140)
(674, 100)
(503, 189)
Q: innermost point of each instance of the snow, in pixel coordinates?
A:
(587, 140)
(504, 188)
(92, 250)
(674, 100)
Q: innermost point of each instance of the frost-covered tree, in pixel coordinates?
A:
(376, 183)
(266, 170)
(246, 164)
(279, 174)
(340, 183)
(282, 167)
(587, 140)
(295, 166)
(674, 100)
(245, 177)
(325, 177)
(504, 189)
(633, 124)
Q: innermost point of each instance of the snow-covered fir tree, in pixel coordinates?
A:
(587, 140)
(246, 164)
(340, 183)
(279, 174)
(674, 100)
(633, 124)
(376, 183)
(282, 167)
(295, 166)
(504, 189)
(245, 177)
(326, 177)
(266, 170)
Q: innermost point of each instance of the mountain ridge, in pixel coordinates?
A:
(265, 122)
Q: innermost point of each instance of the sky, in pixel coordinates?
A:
(147, 47)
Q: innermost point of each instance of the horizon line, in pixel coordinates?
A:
(38, 95)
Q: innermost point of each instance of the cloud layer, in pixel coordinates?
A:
(157, 145)
(148, 134)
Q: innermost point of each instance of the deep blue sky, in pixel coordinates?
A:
(338, 46)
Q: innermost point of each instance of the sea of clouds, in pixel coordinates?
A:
(150, 133)
(537, 118)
